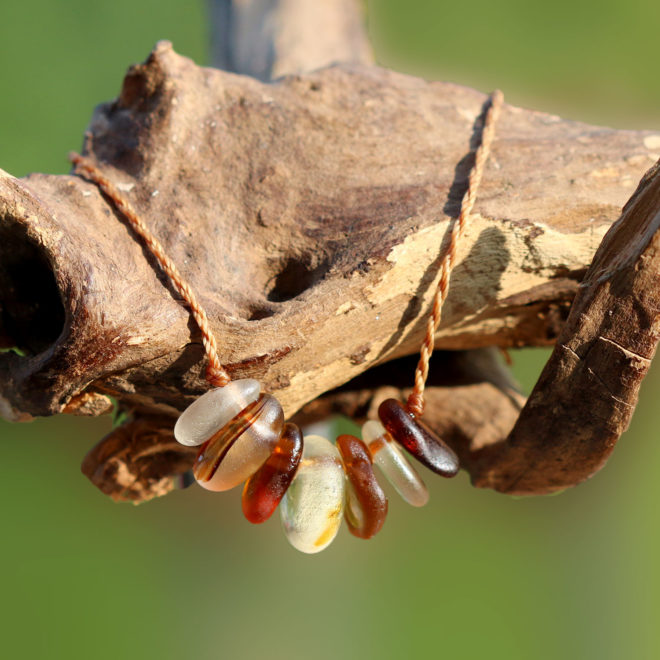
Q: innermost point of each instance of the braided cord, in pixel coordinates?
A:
(215, 372)
(415, 404)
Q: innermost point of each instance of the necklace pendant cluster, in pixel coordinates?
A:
(242, 438)
(240, 429)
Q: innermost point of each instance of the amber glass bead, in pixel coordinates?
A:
(266, 487)
(366, 504)
(241, 447)
(418, 439)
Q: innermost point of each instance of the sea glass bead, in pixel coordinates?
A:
(312, 508)
(366, 504)
(202, 418)
(418, 439)
(240, 447)
(389, 457)
(266, 487)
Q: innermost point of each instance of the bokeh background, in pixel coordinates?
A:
(474, 573)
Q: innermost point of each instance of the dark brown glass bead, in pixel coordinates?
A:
(266, 487)
(418, 439)
(368, 495)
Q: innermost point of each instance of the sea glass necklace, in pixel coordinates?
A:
(243, 438)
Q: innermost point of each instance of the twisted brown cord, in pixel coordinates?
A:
(415, 404)
(215, 372)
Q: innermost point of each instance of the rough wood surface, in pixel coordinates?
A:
(138, 461)
(586, 394)
(309, 214)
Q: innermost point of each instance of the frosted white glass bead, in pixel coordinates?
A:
(312, 508)
(235, 452)
(389, 457)
(202, 418)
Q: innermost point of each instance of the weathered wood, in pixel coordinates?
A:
(138, 461)
(309, 215)
(587, 393)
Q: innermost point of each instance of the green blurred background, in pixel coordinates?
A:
(474, 573)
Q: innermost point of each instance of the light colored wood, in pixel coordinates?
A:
(586, 395)
(267, 39)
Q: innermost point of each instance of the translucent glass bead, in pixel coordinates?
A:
(312, 508)
(202, 418)
(389, 457)
(418, 439)
(266, 487)
(366, 504)
(241, 447)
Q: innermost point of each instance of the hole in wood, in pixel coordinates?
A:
(31, 311)
(296, 275)
(260, 312)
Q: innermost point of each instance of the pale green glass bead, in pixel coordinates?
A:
(313, 506)
(391, 460)
(202, 418)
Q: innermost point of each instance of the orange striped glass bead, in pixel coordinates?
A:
(241, 447)
(418, 439)
(366, 504)
(266, 487)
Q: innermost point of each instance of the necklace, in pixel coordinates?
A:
(243, 438)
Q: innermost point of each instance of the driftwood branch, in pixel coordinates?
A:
(309, 215)
(587, 393)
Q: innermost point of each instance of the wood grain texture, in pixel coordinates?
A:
(587, 393)
(309, 215)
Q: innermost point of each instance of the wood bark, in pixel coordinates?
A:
(309, 215)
